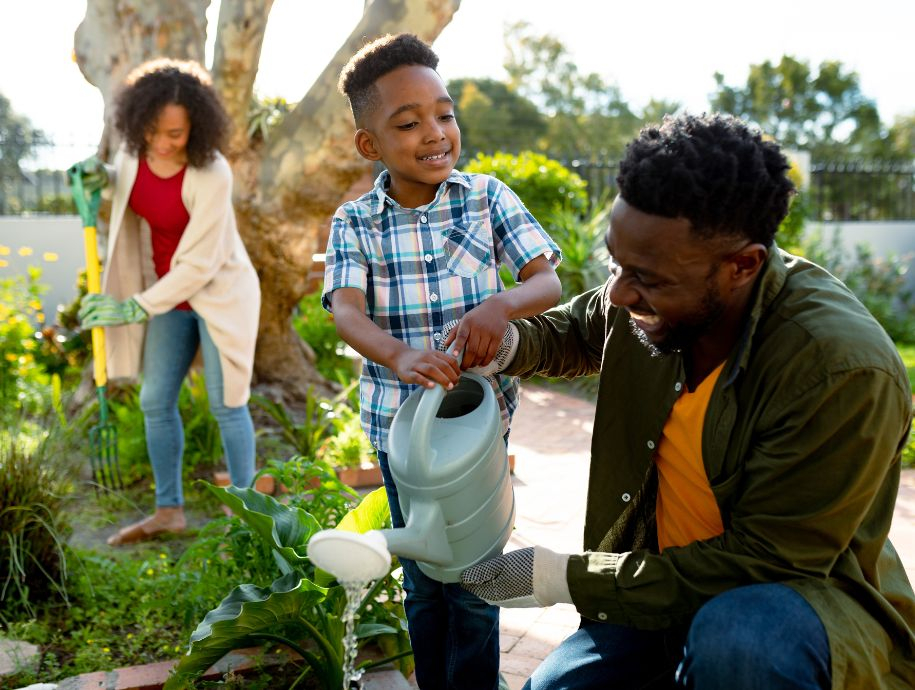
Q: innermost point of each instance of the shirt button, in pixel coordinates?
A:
(422, 218)
(436, 336)
(626, 498)
(678, 386)
(601, 616)
(428, 258)
(651, 445)
(433, 297)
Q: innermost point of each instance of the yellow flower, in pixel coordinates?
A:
(50, 257)
(4, 250)
(129, 636)
(177, 648)
(26, 251)
(39, 317)
(162, 555)
(88, 641)
(106, 650)
(35, 304)
(10, 357)
(4, 263)
(150, 572)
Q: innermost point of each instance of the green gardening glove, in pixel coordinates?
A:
(93, 173)
(105, 310)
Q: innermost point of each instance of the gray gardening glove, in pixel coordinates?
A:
(534, 576)
(504, 355)
(93, 173)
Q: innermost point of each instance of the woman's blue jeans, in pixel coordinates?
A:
(758, 637)
(171, 343)
(454, 634)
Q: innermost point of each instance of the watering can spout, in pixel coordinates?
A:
(423, 538)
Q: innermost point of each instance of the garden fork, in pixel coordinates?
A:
(103, 437)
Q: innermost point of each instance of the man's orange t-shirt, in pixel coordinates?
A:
(686, 508)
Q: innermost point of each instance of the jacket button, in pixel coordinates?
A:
(651, 445)
(601, 616)
(678, 386)
(626, 498)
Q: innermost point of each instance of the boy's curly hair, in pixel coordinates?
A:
(714, 171)
(373, 61)
(157, 83)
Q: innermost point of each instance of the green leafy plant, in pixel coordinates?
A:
(202, 442)
(35, 479)
(880, 284)
(348, 446)
(315, 325)
(543, 184)
(293, 610)
(581, 240)
(23, 380)
(305, 434)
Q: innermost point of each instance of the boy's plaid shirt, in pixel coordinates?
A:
(421, 268)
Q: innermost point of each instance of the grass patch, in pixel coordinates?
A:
(907, 352)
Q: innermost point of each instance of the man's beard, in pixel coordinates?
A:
(682, 336)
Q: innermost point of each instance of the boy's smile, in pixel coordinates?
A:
(412, 130)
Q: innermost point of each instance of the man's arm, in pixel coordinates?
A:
(480, 331)
(422, 367)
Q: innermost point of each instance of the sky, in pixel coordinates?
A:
(666, 49)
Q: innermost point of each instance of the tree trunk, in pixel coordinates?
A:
(286, 189)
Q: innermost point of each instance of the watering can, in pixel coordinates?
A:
(448, 459)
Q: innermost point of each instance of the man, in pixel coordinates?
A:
(749, 425)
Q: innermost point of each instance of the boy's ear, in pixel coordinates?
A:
(365, 145)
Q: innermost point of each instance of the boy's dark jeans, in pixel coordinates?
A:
(455, 635)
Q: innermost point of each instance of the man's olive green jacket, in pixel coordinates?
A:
(802, 443)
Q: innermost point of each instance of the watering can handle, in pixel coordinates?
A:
(421, 452)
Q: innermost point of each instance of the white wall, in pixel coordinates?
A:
(45, 236)
(885, 238)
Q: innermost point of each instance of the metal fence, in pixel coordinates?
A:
(838, 190)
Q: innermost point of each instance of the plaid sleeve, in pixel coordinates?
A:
(345, 263)
(518, 236)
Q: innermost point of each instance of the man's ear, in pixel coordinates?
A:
(747, 263)
(365, 145)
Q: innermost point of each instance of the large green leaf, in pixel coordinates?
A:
(286, 528)
(373, 512)
(244, 617)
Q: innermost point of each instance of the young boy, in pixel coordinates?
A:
(417, 252)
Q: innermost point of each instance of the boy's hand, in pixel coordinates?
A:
(427, 368)
(479, 334)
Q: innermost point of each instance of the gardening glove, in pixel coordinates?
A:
(504, 355)
(534, 576)
(93, 172)
(105, 310)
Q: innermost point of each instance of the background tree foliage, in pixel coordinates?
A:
(18, 141)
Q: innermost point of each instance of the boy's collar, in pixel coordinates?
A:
(384, 178)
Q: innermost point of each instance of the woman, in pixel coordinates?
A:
(175, 258)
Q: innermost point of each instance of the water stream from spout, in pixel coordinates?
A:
(352, 678)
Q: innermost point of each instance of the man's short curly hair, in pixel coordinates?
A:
(157, 83)
(373, 61)
(714, 171)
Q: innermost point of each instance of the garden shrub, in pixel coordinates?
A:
(315, 325)
(543, 184)
(880, 284)
(35, 480)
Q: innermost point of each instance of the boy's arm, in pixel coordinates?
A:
(422, 367)
(480, 331)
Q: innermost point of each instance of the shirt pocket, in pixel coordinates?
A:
(467, 248)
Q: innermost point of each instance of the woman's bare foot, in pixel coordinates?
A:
(162, 521)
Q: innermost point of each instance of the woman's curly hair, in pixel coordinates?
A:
(157, 83)
(714, 171)
(373, 61)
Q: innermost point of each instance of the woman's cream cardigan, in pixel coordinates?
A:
(210, 269)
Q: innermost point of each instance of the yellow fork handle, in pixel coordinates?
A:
(94, 286)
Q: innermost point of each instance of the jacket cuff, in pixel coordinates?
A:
(550, 583)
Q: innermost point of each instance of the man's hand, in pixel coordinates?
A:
(104, 310)
(93, 173)
(427, 368)
(534, 576)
